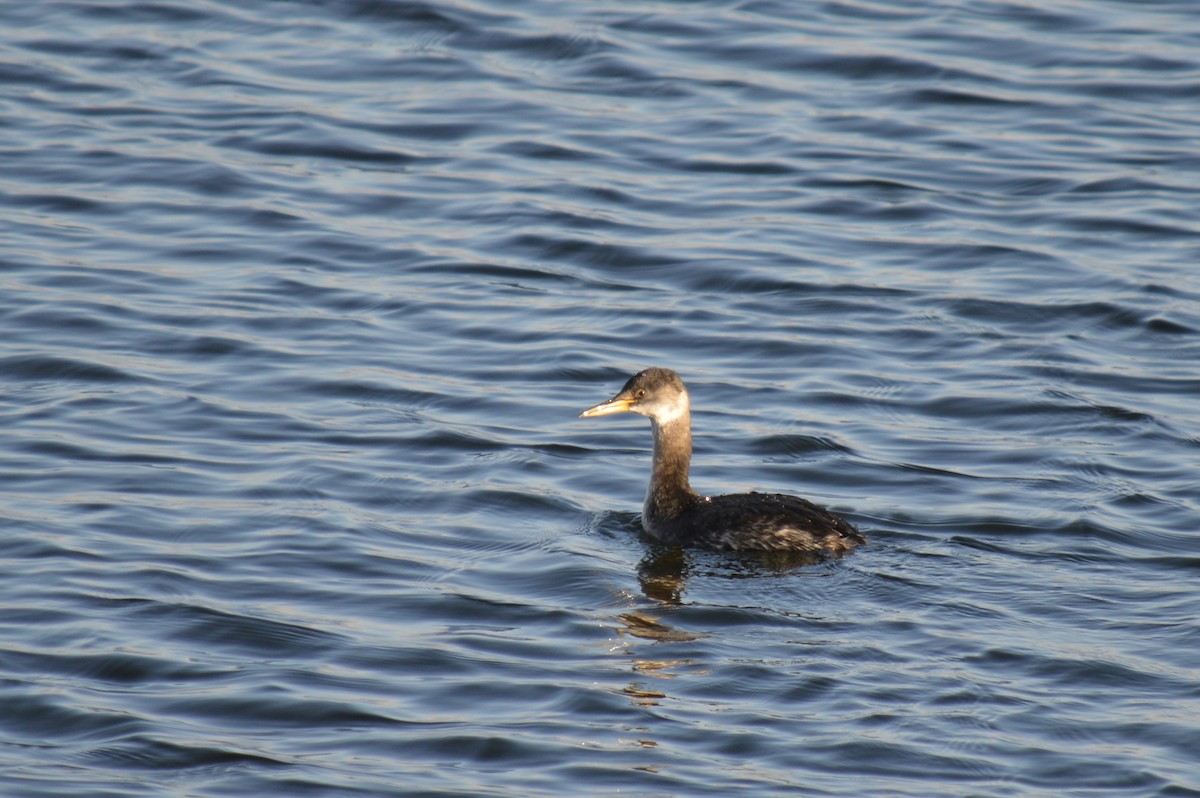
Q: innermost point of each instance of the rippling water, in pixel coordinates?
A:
(299, 302)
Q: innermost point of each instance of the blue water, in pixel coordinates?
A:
(299, 303)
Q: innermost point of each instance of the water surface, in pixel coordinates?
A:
(299, 303)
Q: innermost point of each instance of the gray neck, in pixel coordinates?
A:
(669, 491)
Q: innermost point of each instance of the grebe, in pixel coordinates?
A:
(675, 513)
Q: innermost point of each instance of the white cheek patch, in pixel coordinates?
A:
(675, 410)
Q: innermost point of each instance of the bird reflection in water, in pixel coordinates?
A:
(663, 575)
(664, 571)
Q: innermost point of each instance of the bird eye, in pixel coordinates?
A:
(640, 394)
